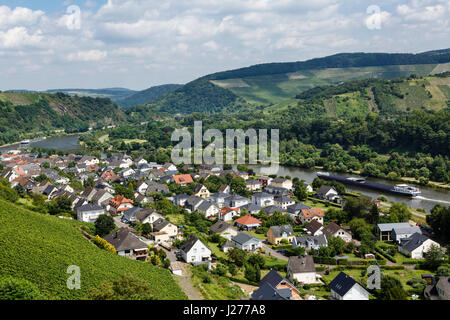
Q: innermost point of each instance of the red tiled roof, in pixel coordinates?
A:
(313, 212)
(247, 220)
(183, 179)
(118, 200)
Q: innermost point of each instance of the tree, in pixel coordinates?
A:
(300, 190)
(374, 215)
(358, 207)
(237, 256)
(104, 225)
(399, 213)
(127, 287)
(20, 190)
(89, 182)
(391, 289)
(238, 186)
(256, 260)
(146, 229)
(434, 257)
(439, 220)
(18, 289)
(337, 245)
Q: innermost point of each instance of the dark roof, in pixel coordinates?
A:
(415, 241)
(296, 208)
(125, 239)
(160, 224)
(331, 229)
(324, 189)
(301, 264)
(242, 238)
(317, 240)
(252, 207)
(263, 195)
(342, 284)
(89, 207)
(279, 230)
(219, 227)
(272, 209)
(187, 246)
(313, 226)
(142, 214)
(268, 292)
(273, 278)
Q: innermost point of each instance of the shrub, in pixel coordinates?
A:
(103, 244)
(17, 289)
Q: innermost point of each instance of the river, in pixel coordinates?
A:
(429, 198)
(66, 143)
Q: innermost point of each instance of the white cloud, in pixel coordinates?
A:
(90, 55)
(18, 17)
(19, 37)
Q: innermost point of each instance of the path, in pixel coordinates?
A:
(103, 138)
(185, 280)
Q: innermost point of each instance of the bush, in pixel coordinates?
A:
(281, 247)
(325, 260)
(103, 244)
(17, 289)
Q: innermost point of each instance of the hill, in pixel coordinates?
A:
(146, 96)
(112, 93)
(23, 114)
(39, 248)
(275, 83)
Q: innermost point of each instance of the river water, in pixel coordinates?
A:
(429, 198)
(68, 143)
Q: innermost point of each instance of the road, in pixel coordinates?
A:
(273, 253)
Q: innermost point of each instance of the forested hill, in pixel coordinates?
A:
(341, 60)
(275, 83)
(147, 96)
(39, 113)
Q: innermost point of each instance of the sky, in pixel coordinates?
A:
(136, 44)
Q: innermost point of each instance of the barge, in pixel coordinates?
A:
(399, 189)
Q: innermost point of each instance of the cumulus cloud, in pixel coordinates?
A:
(157, 42)
(90, 55)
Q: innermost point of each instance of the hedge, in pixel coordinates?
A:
(244, 281)
(413, 261)
(325, 260)
(387, 256)
(281, 247)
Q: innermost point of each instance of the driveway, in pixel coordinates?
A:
(273, 253)
(119, 223)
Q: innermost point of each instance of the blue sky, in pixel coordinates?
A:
(141, 43)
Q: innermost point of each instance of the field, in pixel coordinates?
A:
(40, 248)
(275, 88)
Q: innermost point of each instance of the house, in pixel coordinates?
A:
(101, 196)
(119, 204)
(404, 230)
(89, 212)
(344, 287)
(295, 209)
(142, 187)
(327, 193)
(263, 199)
(284, 202)
(224, 189)
(314, 228)
(227, 213)
(334, 230)
(309, 188)
(400, 233)
(310, 242)
(275, 287)
(308, 215)
(236, 201)
(201, 191)
(89, 160)
(253, 185)
(155, 187)
(223, 229)
(416, 246)
(129, 216)
(194, 251)
(247, 223)
(276, 190)
(170, 167)
(282, 183)
(265, 181)
(89, 193)
(128, 244)
(142, 199)
(251, 208)
(208, 209)
(192, 203)
(277, 233)
(270, 210)
(302, 269)
(183, 179)
(180, 199)
(246, 242)
(439, 289)
(219, 199)
(227, 246)
(147, 215)
(163, 226)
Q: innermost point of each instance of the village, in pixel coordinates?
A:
(275, 238)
